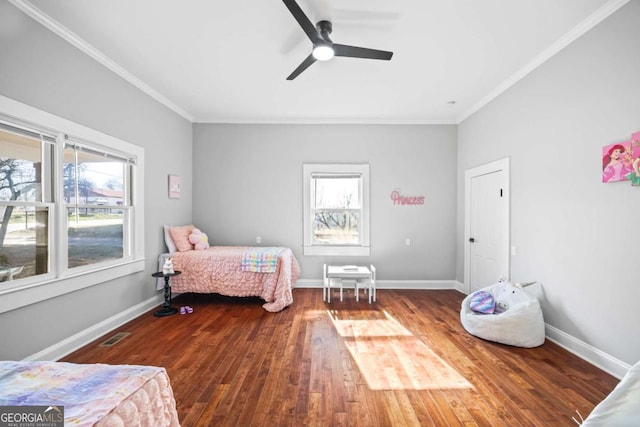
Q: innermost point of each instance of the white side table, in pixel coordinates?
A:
(340, 273)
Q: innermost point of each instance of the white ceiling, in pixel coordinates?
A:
(227, 61)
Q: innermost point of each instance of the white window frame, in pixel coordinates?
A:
(60, 279)
(309, 248)
(128, 207)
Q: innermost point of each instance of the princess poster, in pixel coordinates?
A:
(621, 161)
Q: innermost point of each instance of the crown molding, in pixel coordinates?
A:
(322, 121)
(591, 21)
(62, 31)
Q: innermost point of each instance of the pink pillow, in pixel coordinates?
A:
(180, 236)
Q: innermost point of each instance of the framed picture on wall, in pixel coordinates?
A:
(621, 161)
(174, 186)
(616, 161)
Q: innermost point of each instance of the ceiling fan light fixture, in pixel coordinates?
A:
(323, 47)
(323, 52)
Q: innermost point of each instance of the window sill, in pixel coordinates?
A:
(337, 250)
(11, 299)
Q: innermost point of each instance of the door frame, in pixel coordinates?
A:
(469, 174)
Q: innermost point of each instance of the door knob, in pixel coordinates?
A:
(471, 239)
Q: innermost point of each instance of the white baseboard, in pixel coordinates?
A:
(596, 357)
(460, 287)
(391, 284)
(82, 338)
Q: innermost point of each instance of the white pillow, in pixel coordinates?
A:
(168, 240)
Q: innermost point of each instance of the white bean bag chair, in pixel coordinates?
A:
(517, 319)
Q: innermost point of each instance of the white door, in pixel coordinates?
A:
(487, 230)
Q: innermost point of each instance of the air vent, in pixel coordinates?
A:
(115, 339)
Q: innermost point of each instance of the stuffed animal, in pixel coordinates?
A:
(199, 240)
(167, 267)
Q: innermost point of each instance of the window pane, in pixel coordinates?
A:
(94, 180)
(335, 227)
(337, 210)
(337, 192)
(93, 191)
(95, 235)
(20, 166)
(23, 242)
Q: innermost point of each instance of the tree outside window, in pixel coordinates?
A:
(337, 210)
(24, 215)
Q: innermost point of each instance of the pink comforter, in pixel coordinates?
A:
(218, 270)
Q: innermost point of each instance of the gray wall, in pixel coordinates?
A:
(40, 69)
(248, 182)
(577, 236)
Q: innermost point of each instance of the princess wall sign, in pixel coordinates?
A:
(400, 199)
(621, 161)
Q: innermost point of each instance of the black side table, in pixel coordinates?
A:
(166, 309)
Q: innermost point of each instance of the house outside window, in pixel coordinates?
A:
(336, 209)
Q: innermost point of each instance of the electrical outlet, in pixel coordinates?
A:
(407, 241)
(258, 239)
(513, 251)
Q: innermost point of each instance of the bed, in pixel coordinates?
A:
(622, 406)
(93, 394)
(237, 271)
(223, 270)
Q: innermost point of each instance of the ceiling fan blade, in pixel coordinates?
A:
(305, 64)
(304, 22)
(361, 52)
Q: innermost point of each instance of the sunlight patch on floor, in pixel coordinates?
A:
(313, 314)
(389, 356)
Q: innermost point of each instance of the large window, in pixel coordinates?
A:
(336, 209)
(70, 206)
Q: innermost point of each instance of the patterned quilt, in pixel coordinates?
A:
(94, 394)
(261, 260)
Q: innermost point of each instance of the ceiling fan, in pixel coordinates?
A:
(323, 47)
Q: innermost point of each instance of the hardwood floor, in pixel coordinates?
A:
(404, 360)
